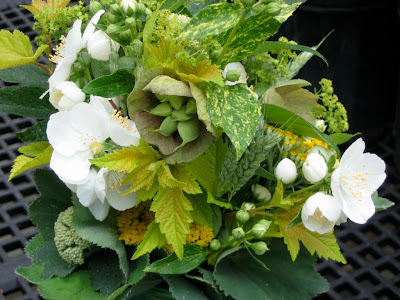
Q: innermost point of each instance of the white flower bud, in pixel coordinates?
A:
(128, 6)
(99, 46)
(248, 206)
(286, 171)
(314, 168)
(320, 213)
(261, 193)
(320, 124)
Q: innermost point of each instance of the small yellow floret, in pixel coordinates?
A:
(199, 235)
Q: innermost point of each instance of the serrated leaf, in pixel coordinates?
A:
(32, 273)
(27, 74)
(242, 277)
(23, 163)
(202, 71)
(36, 133)
(224, 103)
(202, 212)
(212, 200)
(187, 182)
(34, 149)
(211, 20)
(25, 101)
(152, 239)
(182, 289)
(16, 49)
(119, 83)
(325, 245)
(193, 256)
(104, 234)
(38, 6)
(172, 213)
(381, 203)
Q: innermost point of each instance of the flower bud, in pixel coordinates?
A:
(261, 193)
(258, 230)
(248, 206)
(320, 124)
(115, 9)
(99, 46)
(140, 10)
(238, 67)
(259, 247)
(238, 233)
(314, 168)
(242, 217)
(264, 222)
(232, 75)
(286, 171)
(112, 28)
(95, 6)
(215, 245)
(130, 22)
(128, 7)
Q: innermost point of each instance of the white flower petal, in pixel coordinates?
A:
(73, 170)
(90, 28)
(100, 185)
(124, 134)
(99, 210)
(119, 202)
(86, 192)
(358, 210)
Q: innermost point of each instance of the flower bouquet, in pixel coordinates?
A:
(185, 161)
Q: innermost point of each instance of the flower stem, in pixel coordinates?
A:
(44, 68)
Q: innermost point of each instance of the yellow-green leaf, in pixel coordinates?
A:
(16, 49)
(37, 6)
(172, 213)
(325, 245)
(23, 163)
(34, 149)
(152, 239)
(187, 182)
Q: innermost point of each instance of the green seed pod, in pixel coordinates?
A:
(180, 115)
(162, 98)
(162, 110)
(188, 131)
(242, 217)
(232, 75)
(215, 245)
(191, 106)
(176, 101)
(259, 248)
(167, 127)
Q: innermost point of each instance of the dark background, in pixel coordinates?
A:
(364, 66)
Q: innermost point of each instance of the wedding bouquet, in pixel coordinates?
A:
(185, 161)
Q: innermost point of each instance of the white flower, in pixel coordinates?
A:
(102, 190)
(110, 108)
(77, 135)
(314, 168)
(238, 67)
(286, 171)
(353, 182)
(320, 124)
(261, 193)
(100, 45)
(128, 6)
(320, 213)
(65, 95)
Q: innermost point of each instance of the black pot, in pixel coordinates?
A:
(362, 57)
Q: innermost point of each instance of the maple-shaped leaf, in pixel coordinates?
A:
(202, 71)
(325, 245)
(172, 213)
(37, 6)
(16, 49)
(187, 182)
(152, 239)
(162, 54)
(143, 177)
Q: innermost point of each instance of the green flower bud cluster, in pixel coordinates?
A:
(180, 115)
(330, 109)
(70, 245)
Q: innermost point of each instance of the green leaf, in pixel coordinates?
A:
(172, 213)
(287, 120)
(269, 46)
(183, 289)
(138, 290)
(154, 294)
(173, 5)
(265, 174)
(240, 276)
(28, 74)
(202, 212)
(193, 256)
(36, 133)
(75, 286)
(23, 163)
(119, 83)
(32, 273)
(25, 101)
(341, 138)
(105, 274)
(222, 202)
(152, 239)
(224, 103)
(104, 234)
(211, 20)
(16, 49)
(381, 203)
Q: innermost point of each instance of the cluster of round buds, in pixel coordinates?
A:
(180, 115)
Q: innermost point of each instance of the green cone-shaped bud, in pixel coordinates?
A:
(180, 115)
(125, 35)
(95, 6)
(112, 28)
(265, 223)
(176, 101)
(232, 75)
(162, 110)
(113, 19)
(140, 10)
(238, 233)
(130, 22)
(115, 9)
(259, 247)
(188, 131)
(191, 106)
(242, 217)
(167, 127)
(215, 245)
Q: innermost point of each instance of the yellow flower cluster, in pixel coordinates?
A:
(294, 146)
(199, 235)
(132, 223)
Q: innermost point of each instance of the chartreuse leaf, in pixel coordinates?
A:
(38, 6)
(211, 20)
(27, 74)
(41, 152)
(325, 245)
(103, 234)
(182, 289)
(381, 203)
(287, 120)
(152, 239)
(119, 83)
(25, 101)
(74, 286)
(16, 49)
(239, 275)
(224, 103)
(172, 213)
(193, 256)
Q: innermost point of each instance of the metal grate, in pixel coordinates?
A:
(372, 250)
